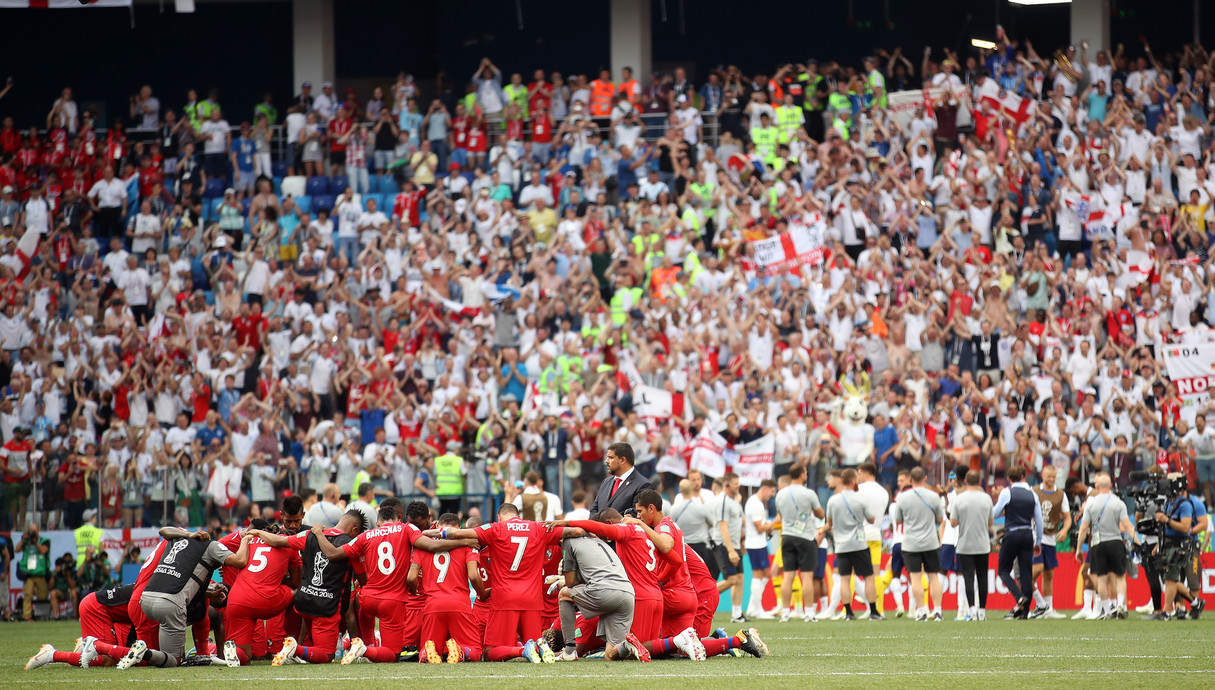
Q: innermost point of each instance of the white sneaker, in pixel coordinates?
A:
(1146, 608)
(564, 655)
(88, 652)
(287, 654)
(982, 616)
(761, 616)
(1081, 615)
(1053, 614)
(784, 617)
(810, 617)
(921, 615)
(862, 614)
(900, 613)
(357, 648)
(45, 655)
(838, 615)
(692, 646)
(79, 645)
(134, 656)
(230, 654)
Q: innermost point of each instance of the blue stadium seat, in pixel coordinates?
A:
(304, 204)
(214, 189)
(211, 209)
(279, 168)
(245, 204)
(338, 184)
(388, 185)
(318, 186)
(278, 185)
(323, 201)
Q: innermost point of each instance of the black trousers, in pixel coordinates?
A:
(1154, 582)
(107, 223)
(1018, 546)
(974, 572)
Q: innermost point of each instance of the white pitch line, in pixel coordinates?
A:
(599, 676)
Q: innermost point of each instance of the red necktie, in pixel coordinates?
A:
(614, 487)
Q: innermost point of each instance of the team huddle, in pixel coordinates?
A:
(544, 592)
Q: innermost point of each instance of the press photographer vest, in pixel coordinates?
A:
(323, 582)
(178, 565)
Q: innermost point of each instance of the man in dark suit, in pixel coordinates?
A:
(623, 483)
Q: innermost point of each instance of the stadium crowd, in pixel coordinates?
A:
(452, 297)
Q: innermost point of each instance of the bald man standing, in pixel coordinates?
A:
(327, 511)
(1105, 517)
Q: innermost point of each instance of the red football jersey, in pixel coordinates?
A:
(702, 581)
(516, 550)
(386, 552)
(227, 573)
(146, 570)
(673, 567)
(637, 553)
(417, 602)
(445, 576)
(482, 561)
(264, 573)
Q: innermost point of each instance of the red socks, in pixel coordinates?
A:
(471, 654)
(73, 658)
(716, 647)
(111, 650)
(503, 653)
(381, 655)
(313, 655)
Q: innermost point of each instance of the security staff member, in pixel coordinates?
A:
(1022, 537)
(450, 469)
(1177, 518)
(88, 534)
(1105, 516)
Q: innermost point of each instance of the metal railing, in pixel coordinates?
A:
(655, 127)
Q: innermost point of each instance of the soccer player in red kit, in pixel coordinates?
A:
(448, 620)
(259, 594)
(707, 596)
(103, 618)
(516, 549)
(417, 514)
(323, 585)
(679, 600)
(480, 606)
(385, 552)
(229, 576)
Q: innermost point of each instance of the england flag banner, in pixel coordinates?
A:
(802, 244)
(1192, 369)
(708, 453)
(754, 461)
(1005, 102)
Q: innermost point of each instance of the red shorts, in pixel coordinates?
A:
(441, 626)
(647, 620)
(584, 632)
(678, 611)
(413, 628)
(391, 613)
(324, 631)
(146, 629)
(481, 617)
(511, 628)
(111, 624)
(244, 613)
(706, 606)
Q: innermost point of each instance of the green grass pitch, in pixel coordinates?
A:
(860, 654)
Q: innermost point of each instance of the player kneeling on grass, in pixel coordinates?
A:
(386, 552)
(323, 585)
(597, 585)
(447, 620)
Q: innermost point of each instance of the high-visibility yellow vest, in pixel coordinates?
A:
(517, 95)
(619, 313)
(788, 119)
(764, 139)
(449, 481)
(86, 536)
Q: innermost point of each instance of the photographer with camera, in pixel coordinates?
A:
(34, 569)
(63, 586)
(1177, 518)
(1105, 517)
(1148, 502)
